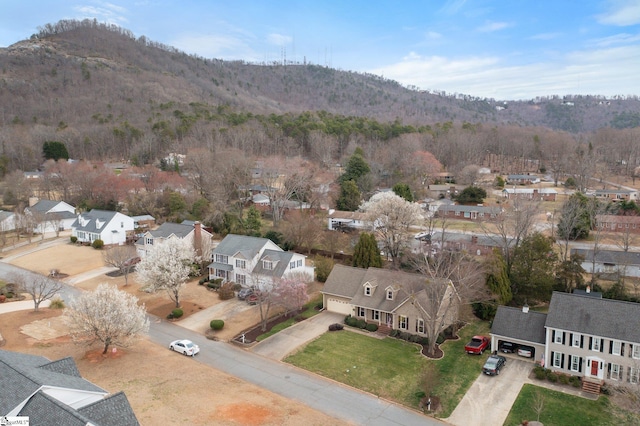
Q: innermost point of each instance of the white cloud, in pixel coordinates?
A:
(104, 12)
(494, 26)
(279, 39)
(596, 72)
(621, 13)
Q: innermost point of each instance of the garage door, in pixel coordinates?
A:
(340, 306)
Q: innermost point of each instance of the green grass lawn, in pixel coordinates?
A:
(559, 409)
(390, 368)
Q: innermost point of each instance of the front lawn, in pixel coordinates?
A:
(308, 310)
(560, 409)
(390, 368)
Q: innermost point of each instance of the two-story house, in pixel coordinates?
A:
(198, 237)
(387, 298)
(51, 216)
(248, 261)
(110, 227)
(584, 335)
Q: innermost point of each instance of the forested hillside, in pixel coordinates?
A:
(109, 95)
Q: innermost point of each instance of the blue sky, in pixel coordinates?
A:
(501, 49)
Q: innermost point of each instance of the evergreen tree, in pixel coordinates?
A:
(54, 150)
(357, 170)
(253, 222)
(349, 198)
(533, 271)
(403, 190)
(366, 252)
(471, 195)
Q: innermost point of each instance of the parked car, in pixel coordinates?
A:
(185, 347)
(507, 347)
(244, 293)
(252, 299)
(423, 236)
(525, 351)
(493, 365)
(477, 345)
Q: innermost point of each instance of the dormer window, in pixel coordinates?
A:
(367, 290)
(389, 294)
(267, 264)
(149, 241)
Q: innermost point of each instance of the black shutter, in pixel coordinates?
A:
(590, 342)
(580, 365)
(564, 335)
(562, 361)
(622, 349)
(553, 336)
(581, 341)
(610, 346)
(552, 358)
(570, 339)
(601, 345)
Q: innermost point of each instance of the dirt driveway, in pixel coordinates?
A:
(162, 386)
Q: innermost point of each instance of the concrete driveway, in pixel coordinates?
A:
(489, 399)
(281, 344)
(224, 310)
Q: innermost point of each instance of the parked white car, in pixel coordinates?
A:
(185, 347)
(525, 351)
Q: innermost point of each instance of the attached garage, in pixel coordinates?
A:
(519, 332)
(338, 304)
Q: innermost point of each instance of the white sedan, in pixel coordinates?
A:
(185, 347)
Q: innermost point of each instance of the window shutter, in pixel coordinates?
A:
(601, 345)
(581, 342)
(622, 349)
(553, 336)
(590, 342)
(552, 358)
(580, 365)
(562, 361)
(610, 346)
(570, 339)
(564, 336)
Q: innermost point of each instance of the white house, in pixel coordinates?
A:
(7, 221)
(110, 227)
(189, 231)
(341, 220)
(248, 260)
(51, 216)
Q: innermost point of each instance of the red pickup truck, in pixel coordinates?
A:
(477, 345)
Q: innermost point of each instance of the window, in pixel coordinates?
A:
(267, 264)
(616, 347)
(615, 372)
(121, 224)
(242, 264)
(298, 263)
(576, 340)
(557, 360)
(402, 322)
(375, 315)
(595, 344)
(360, 311)
(221, 258)
(241, 279)
(635, 352)
(148, 241)
(389, 294)
(221, 273)
(420, 325)
(633, 375)
(575, 363)
(292, 264)
(367, 290)
(557, 338)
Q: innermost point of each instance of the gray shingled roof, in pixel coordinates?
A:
(344, 281)
(22, 377)
(279, 258)
(232, 244)
(613, 319)
(469, 209)
(44, 206)
(513, 323)
(614, 257)
(168, 229)
(91, 217)
(114, 410)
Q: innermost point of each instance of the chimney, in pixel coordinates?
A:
(525, 308)
(197, 238)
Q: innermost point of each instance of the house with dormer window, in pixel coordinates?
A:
(247, 260)
(581, 335)
(385, 297)
(110, 227)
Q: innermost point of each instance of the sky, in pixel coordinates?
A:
(500, 49)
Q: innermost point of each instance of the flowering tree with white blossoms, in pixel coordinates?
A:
(391, 218)
(106, 315)
(167, 267)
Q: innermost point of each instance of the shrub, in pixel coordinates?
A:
(97, 244)
(203, 280)
(74, 239)
(361, 323)
(323, 266)
(394, 333)
(563, 378)
(227, 291)
(177, 313)
(56, 303)
(319, 306)
(540, 373)
(552, 377)
(213, 285)
(336, 327)
(372, 327)
(216, 324)
(575, 381)
(351, 321)
(423, 341)
(414, 338)
(10, 295)
(440, 339)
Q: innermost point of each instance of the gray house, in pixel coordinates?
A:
(52, 393)
(584, 335)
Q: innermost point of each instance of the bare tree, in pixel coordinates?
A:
(167, 267)
(538, 403)
(53, 219)
(39, 287)
(302, 229)
(122, 257)
(106, 315)
(391, 218)
(291, 294)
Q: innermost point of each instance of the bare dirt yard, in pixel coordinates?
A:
(162, 387)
